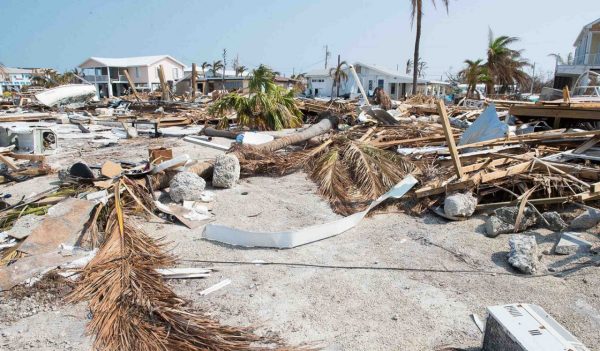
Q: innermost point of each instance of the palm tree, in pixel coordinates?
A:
(205, 65)
(505, 65)
(3, 72)
(417, 10)
(560, 61)
(268, 106)
(338, 74)
(240, 70)
(475, 72)
(216, 66)
(421, 67)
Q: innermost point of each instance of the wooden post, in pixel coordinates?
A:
(132, 85)
(194, 82)
(449, 137)
(163, 83)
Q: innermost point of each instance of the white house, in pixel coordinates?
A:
(587, 57)
(15, 79)
(394, 84)
(107, 74)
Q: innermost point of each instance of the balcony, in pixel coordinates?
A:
(587, 60)
(104, 79)
(96, 79)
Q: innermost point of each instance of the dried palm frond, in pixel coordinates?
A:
(333, 179)
(132, 307)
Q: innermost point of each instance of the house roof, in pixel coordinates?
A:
(14, 70)
(318, 73)
(585, 28)
(130, 61)
(388, 72)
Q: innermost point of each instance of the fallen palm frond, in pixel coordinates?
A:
(349, 173)
(132, 307)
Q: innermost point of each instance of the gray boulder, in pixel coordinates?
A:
(494, 226)
(523, 254)
(186, 186)
(509, 215)
(460, 205)
(555, 222)
(586, 220)
(226, 171)
(571, 243)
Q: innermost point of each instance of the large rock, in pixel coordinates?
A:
(586, 220)
(186, 186)
(226, 171)
(523, 253)
(571, 243)
(460, 205)
(494, 226)
(509, 215)
(555, 222)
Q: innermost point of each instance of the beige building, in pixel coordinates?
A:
(107, 74)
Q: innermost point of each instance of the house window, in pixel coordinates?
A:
(380, 83)
(137, 72)
(393, 88)
(175, 73)
(156, 73)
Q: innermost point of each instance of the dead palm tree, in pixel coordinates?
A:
(417, 11)
(421, 67)
(338, 74)
(560, 61)
(505, 65)
(3, 72)
(240, 70)
(216, 66)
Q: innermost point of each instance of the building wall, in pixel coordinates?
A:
(168, 66)
(321, 84)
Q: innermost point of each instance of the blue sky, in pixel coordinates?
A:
(285, 34)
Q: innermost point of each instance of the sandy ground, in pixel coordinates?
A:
(337, 309)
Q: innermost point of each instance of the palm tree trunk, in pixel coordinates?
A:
(337, 94)
(417, 43)
(317, 129)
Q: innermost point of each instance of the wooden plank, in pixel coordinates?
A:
(432, 138)
(194, 80)
(449, 137)
(163, 84)
(29, 157)
(132, 85)
(555, 111)
(7, 161)
(587, 145)
(478, 178)
(533, 137)
(496, 162)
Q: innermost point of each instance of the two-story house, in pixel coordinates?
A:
(14, 79)
(108, 74)
(587, 57)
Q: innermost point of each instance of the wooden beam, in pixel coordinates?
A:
(7, 161)
(163, 84)
(132, 85)
(441, 107)
(570, 111)
(566, 95)
(194, 80)
(587, 145)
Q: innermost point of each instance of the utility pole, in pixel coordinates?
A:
(327, 54)
(532, 80)
(224, 67)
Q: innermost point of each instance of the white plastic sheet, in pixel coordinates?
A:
(290, 239)
(486, 127)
